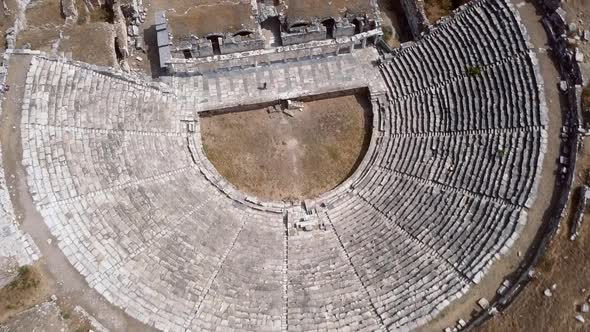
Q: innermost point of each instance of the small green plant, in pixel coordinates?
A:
(387, 33)
(473, 70)
(24, 280)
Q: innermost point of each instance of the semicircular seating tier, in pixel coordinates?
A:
(458, 142)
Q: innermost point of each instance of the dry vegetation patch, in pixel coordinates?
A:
(565, 266)
(436, 9)
(201, 17)
(275, 156)
(323, 9)
(90, 39)
(26, 290)
(6, 21)
(220, 18)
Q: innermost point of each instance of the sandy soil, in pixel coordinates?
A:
(278, 157)
(91, 39)
(202, 17)
(25, 291)
(50, 316)
(435, 9)
(566, 266)
(325, 9)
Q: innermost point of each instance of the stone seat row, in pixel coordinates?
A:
(247, 294)
(63, 94)
(477, 37)
(466, 230)
(406, 283)
(503, 96)
(304, 320)
(324, 291)
(172, 259)
(72, 162)
(498, 164)
(140, 213)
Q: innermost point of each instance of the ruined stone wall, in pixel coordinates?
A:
(202, 48)
(231, 45)
(343, 28)
(315, 32)
(120, 28)
(416, 16)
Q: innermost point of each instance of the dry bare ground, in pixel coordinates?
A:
(278, 157)
(435, 9)
(90, 39)
(25, 291)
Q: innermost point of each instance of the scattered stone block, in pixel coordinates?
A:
(462, 323)
(493, 311)
(483, 303)
(563, 86)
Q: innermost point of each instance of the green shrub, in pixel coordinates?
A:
(387, 33)
(24, 280)
(473, 71)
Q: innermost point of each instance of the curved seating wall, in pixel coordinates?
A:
(443, 193)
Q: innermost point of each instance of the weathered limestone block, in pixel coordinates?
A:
(121, 29)
(416, 16)
(69, 10)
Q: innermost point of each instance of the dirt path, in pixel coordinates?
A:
(278, 157)
(62, 278)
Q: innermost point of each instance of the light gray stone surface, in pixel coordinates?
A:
(283, 81)
(442, 192)
(14, 244)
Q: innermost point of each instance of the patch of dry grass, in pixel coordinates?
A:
(278, 157)
(586, 97)
(436, 9)
(23, 292)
